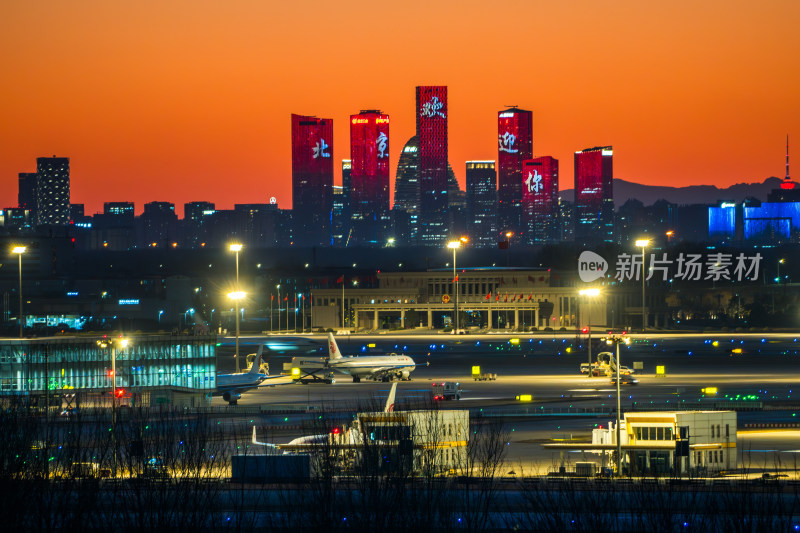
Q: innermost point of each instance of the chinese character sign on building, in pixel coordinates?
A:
(514, 145)
(312, 178)
(432, 115)
(540, 200)
(369, 174)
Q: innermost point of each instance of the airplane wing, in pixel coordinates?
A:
(287, 380)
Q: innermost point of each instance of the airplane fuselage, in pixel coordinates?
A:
(359, 367)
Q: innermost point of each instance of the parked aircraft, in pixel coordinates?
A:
(377, 367)
(231, 386)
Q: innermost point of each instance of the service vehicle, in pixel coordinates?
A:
(446, 390)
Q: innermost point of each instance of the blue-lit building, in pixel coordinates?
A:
(767, 222)
(151, 369)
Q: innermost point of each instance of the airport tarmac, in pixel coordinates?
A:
(744, 368)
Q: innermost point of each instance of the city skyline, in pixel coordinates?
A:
(185, 108)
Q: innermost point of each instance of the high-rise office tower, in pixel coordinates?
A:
(482, 203)
(431, 113)
(193, 228)
(312, 179)
(26, 196)
(342, 211)
(157, 225)
(369, 176)
(514, 145)
(52, 191)
(594, 195)
(540, 201)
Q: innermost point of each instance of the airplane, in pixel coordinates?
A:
(383, 367)
(231, 386)
(311, 441)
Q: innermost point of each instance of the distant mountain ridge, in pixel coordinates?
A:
(693, 194)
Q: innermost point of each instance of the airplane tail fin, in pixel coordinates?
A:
(256, 368)
(390, 400)
(333, 348)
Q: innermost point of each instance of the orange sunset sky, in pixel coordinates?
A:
(179, 101)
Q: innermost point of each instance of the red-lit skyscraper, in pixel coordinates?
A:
(369, 176)
(540, 200)
(432, 115)
(594, 195)
(514, 145)
(312, 179)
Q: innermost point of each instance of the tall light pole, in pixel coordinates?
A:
(455, 245)
(236, 296)
(236, 248)
(278, 286)
(19, 250)
(618, 339)
(643, 243)
(588, 293)
(112, 345)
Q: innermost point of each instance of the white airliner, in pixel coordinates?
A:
(377, 367)
(309, 442)
(231, 386)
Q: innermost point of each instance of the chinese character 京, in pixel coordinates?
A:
(382, 138)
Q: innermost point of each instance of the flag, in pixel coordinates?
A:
(271, 297)
(285, 298)
(530, 278)
(529, 297)
(497, 298)
(506, 297)
(488, 296)
(521, 296)
(340, 279)
(455, 280)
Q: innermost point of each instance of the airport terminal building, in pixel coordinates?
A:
(150, 370)
(488, 298)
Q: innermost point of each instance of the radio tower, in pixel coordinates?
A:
(787, 181)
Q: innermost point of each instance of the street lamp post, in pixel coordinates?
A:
(588, 293)
(279, 306)
(236, 296)
(618, 339)
(236, 248)
(643, 243)
(455, 245)
(19, 250)
(111, 344)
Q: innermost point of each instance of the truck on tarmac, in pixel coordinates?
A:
(446, 390)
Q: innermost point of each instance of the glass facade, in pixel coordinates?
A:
(594, 195)
(312, 179)
(432, 113)
(369, 176)
(80, 364)
(515, 145)
(482, 203)
(778, 221)
(539, 183)
(722, 221)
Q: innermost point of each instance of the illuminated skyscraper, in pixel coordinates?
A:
(431, 113)
(312, 180)
(369, 176)
(514, 145)
(481, 203)
(52, 191)
(594, 195)
(540, 223)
